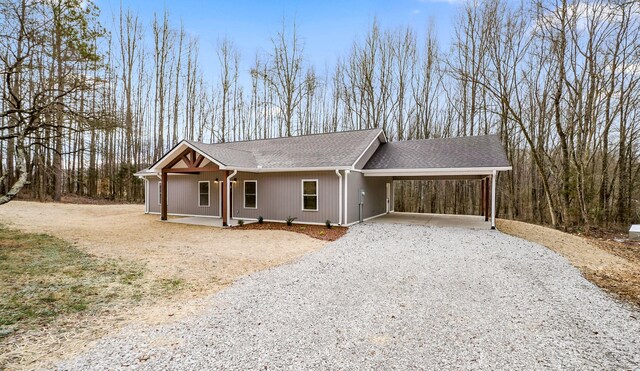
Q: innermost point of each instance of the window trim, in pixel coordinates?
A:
(317, 194)
(160, 193)
(208, 193)
(244, 193)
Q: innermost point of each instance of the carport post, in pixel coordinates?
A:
(493, 200)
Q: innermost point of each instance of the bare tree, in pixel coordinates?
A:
(285, 74)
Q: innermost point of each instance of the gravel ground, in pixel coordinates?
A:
(396, 297)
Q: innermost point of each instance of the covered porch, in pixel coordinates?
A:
(184, 159)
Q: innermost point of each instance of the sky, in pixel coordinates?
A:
(327, 28)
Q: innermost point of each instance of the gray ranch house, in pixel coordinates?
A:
(345, 177)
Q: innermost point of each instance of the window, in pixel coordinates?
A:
(250, 194)
(203, 194)
(159, 193)
(310, 195)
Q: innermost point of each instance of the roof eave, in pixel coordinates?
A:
(436, 171)
(175, 150)
(287, 169)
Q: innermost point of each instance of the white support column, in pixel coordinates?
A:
(493, 200)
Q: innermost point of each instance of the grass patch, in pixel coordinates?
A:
(43, 277)
(170, 286)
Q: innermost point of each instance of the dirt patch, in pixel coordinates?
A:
(613, 266)
(315, 231)
(202, 260)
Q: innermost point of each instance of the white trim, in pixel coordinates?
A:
(286, 169)
(373, 217)
(244, 193)
(339, 197)
(302, 194)
(176, 214)
(364, 220)
(208, 193)
(435, 172)
(142, 174)
(353, 166)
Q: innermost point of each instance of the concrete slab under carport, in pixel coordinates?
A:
(435, 220)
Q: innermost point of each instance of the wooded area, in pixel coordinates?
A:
(84, 105)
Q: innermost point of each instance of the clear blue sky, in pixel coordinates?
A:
(327, 27)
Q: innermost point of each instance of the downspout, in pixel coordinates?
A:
(346, 196)
(228, 185)
(339, 196)
(493, 200)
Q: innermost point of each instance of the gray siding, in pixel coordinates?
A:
(375, 195)
(280, 196)
(367, 155)
(183, 194)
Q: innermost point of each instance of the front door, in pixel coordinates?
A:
(388, 197)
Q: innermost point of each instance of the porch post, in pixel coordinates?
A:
(163, 201)
(493, 200)
(225, 190)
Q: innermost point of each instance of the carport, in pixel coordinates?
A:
(436, 220)
(478, 158)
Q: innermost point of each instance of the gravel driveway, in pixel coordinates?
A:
(396, 297)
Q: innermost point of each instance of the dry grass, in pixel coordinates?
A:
(44, 280)
(611, 265)
(180, 263)
(43, 277)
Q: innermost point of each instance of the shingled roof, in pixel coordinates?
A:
(462, 152)
(340, 149)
